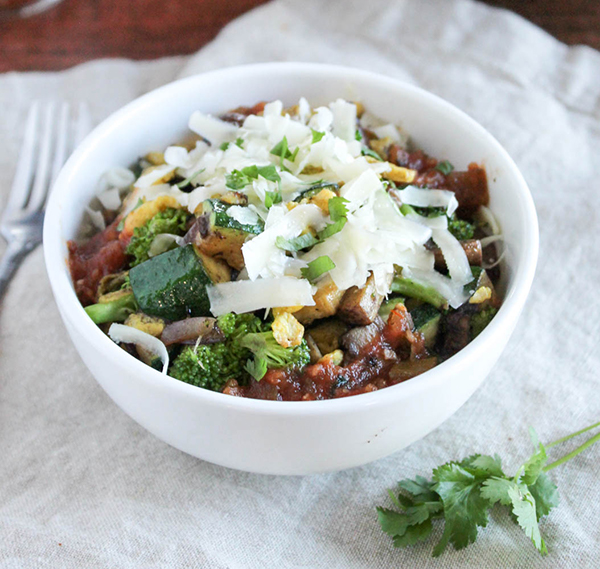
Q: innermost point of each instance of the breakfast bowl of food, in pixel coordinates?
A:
(290, 268)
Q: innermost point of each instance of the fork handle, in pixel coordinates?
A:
(14, 254)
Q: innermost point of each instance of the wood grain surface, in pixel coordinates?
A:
(80, 30)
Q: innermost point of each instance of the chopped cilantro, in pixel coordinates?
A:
(357, 135)
(371, 153)
(337, 208)
(239, 179)
(316, 135)
(189, 180)
(296, 243)
(317, 268)
(271, 198)
(445, 167)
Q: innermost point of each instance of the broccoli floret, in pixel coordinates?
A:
(171, 220)
(461, 229)
(269, 354)
(481, 319)
(114, 307)
(249, 349)
(209, 366)
(213, 365)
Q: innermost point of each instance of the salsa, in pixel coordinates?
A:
(291, 254)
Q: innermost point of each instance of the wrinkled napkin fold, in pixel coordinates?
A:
(83, 485)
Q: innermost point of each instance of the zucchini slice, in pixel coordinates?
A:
(426, 319)
(173, 285)
(225, 235)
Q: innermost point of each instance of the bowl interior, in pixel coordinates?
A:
(160, 118)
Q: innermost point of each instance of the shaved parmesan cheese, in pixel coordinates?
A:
(163, 242)
(344, 119)
(243, 215)
(322, 119)
(361, 189)
(452, 292)
(211, 128)
(118, 177)
(387, 131)
(454, 255)
(119, 333)
(96, 218)
(262, 257)
(248, 296)
(421, 197)
(178, 156)
(110, 199)
(155, 175)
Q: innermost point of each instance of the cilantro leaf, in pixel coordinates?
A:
(392, 522)
(296, 243)
(462, 493)
(239, 179)
(371, 153)
(419, 487)
(317, 268)
(523, 507)
(271, 198)
(495, 489)
(445, 167)
(534, 465)
(189, 180)
(316, 135)
(337, 208)
(414, 534)
(357, 135)
(545, 493)
(464, 507)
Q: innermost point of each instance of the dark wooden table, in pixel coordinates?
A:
(80, 30)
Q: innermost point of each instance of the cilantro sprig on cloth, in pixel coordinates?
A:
(462, 494)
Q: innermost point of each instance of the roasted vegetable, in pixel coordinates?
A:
(173, 285)
(327, 299)
(212, 366)
(112, 307)
(170, 220)
(360, 306)
(222, 236)
(426, 320)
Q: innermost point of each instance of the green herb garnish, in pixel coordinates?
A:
(239, 142)
(239, 179)
(462, 494)
(318, 267)
(371, 153)
(445, 167)
(316, 135)
(271, 198)
(357, 135)
(189, 180)
(296, 243)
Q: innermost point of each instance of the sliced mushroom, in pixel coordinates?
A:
(358, 338)
(201, 329)
(360, 306)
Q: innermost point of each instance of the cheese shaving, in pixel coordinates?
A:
(119, 333)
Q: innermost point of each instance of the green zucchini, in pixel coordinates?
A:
(173, 285)
(413, 289)
(224, 235)
(388, 305)
(426, 319)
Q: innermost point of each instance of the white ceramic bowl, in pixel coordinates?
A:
(289, 437)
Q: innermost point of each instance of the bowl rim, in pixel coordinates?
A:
(72, 310)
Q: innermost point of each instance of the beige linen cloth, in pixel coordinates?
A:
(82, 485)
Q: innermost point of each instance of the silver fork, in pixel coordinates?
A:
(51, 133)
